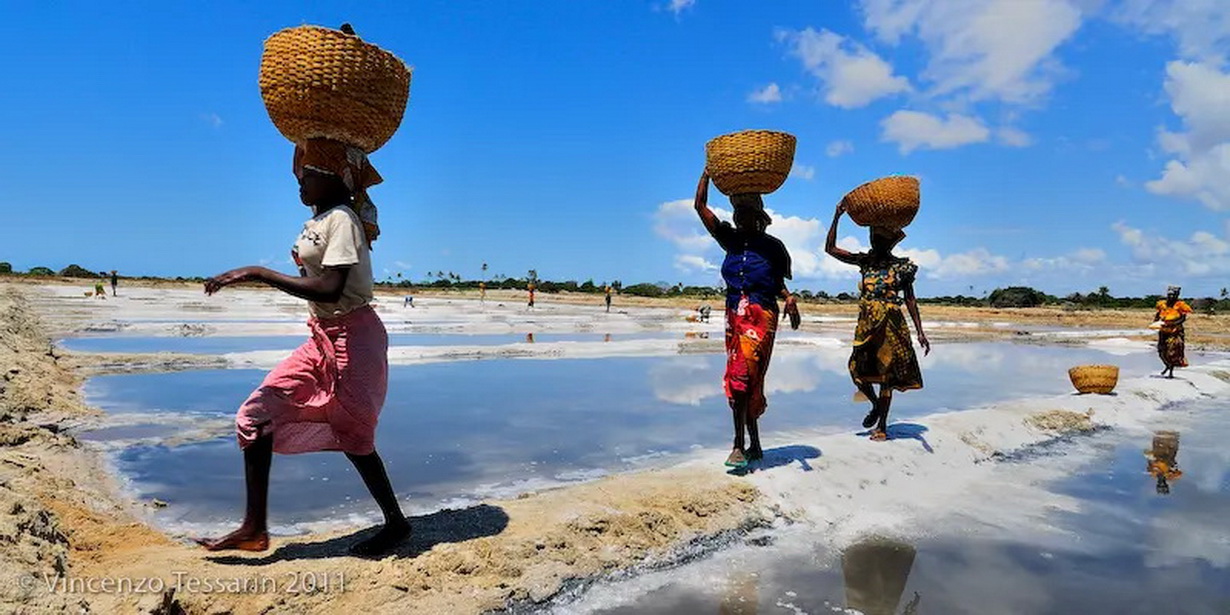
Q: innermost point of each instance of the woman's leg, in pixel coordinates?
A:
(869, 392)
(886, 400)
(253, 534)
(738, 411)
(396, 527)
(754, 451)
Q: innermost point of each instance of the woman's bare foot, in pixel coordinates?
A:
(241, 539)
(389, 536)
(879, 435)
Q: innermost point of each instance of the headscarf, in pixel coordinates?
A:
(894, 235)
(351, 165)
(752, 202)
(1173, 290)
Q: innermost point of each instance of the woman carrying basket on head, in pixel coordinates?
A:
(1171, 338)
(328, 394)
(756, 268)
(883, 354)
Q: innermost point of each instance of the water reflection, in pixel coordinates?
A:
(1162, 462)
(742, 595)
(875, 572)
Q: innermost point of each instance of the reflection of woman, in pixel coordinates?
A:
(328, 394)
(875, 572)
(1163, 464)
(755, 270)
(883, 353)
(1171, 339)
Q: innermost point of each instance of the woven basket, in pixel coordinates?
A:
(890, 202)
(752, 161)
(1094, 378)
(319, 82)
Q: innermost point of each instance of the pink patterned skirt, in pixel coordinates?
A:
(327, 395)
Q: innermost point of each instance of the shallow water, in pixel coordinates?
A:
(233, 344)
(476, 429)
(1127, 548)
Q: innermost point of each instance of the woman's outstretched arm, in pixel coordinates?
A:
(911, 303)
(324, 288)
(701, 204)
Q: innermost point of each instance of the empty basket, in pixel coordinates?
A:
(752, 161)
(890, 202)
(320, 82)
(1094, 378)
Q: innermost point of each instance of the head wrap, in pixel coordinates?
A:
(751, 202)
(893, 235)
(1173, 290)
(351, 165)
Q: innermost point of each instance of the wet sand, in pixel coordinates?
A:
(68, 518)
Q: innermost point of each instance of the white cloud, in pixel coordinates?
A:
(213, 119)
(402, 265)
(1083, 260)
(691, 263)
(914, 129)
(1200, 256)
(1200, 95)
(1123, 181)
(983, 49)
(1200, 27)
(838, 148)
(678, 6)
(769, 94)
(804, 240)
(803, 171)
(851, 75)
(1013, 137)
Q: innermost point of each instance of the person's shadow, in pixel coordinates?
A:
(906, 431)
(780, 456)
(427, 531)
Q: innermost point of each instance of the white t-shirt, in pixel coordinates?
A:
(335, 239)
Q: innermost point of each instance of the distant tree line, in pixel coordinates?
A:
(1010, 297)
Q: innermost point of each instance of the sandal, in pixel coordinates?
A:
(736, 459)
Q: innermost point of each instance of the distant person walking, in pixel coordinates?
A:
(115, 281)
(883, 353)
(328, 394)
(756, 268)
(531, 289)
(705, 310)
(482, 292)
(608, 298)
(1171, 338)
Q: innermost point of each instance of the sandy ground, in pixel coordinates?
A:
(70, 531)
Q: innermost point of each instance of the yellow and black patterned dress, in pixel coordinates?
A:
(883, 353)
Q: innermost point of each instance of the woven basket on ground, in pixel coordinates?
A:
(752, 161)
(1094, 378)
(890, 202)
(320, 82)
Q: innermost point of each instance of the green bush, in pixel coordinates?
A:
(41, 271)
(6, 267)
(77, 271)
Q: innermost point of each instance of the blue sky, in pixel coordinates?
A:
(1064, 144)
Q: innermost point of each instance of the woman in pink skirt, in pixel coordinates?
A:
(328, 394)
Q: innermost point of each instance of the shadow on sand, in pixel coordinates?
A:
(780, 456)
(440, 527)
(906, 431)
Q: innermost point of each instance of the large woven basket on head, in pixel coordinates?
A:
(752, 161)
(1094, 378)
(320, 82)
(890, 202)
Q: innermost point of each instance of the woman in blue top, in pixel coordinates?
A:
(756, 268)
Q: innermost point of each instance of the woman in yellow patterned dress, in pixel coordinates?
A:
(883, 353)
(1171, 339)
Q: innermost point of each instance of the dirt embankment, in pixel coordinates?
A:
(72, 544)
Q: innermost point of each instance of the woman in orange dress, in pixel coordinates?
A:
(1171, 339)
